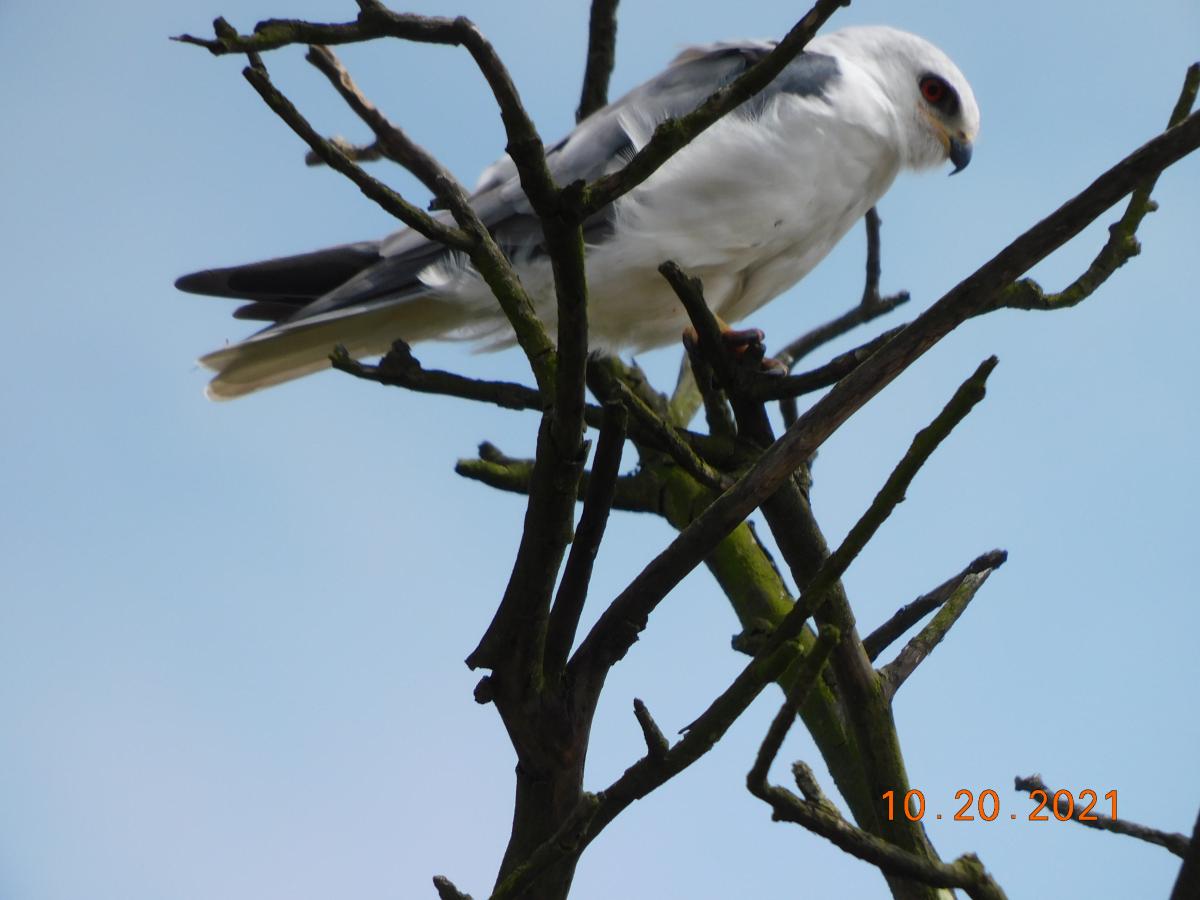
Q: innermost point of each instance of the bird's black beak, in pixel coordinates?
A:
(960, 154)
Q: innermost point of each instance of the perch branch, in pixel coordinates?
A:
(791, 386)
(399, 368)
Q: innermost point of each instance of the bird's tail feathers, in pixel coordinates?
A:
(291, 351)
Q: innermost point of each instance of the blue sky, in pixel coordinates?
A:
(231, 636)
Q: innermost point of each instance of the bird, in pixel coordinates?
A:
(750, 206)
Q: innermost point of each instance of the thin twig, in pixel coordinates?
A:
(792, 386)
(806, 780)
(871, 296)
(1122, 244)
(471, 236)
(870, 307)
(601, 56)
(717, 414)
(390, 140)
(666, 437)
(968, 395)
(895, 673)
(672, 135)
(911, 613)
(633, 493)
(820, 816)
(966, 873)
(1172, 841)
(656, 742)
(446, 889)
(577, 575)
(412, 216)
(399, 368)
(354, 152)
(376, 21)
(813, 663)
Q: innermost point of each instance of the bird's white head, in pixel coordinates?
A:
(936, 109)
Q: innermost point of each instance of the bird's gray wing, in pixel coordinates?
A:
(599, 145)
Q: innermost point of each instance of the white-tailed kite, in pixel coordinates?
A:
(750, 207)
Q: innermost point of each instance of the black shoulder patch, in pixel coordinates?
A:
(808, 75)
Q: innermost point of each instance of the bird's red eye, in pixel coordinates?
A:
(933, 89)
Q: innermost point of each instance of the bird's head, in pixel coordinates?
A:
(936, 108)
(947, 119)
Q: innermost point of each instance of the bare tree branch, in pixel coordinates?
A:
(656, 743)
(376, 21)
(471, 236)
(633, 493)
(446, 889)
(353, 152)
(399, 368)
(756, 778)
(1122, 244)
(916, 650)
(577, 575)
(673, 134)
(820, 816)
(601, 56)
(968, 298)
(412, 216)
(912, 613)
(615, 631)
(788, 387)
(1178, 844)
(665, 435)
(871, 306)
(965, 873)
